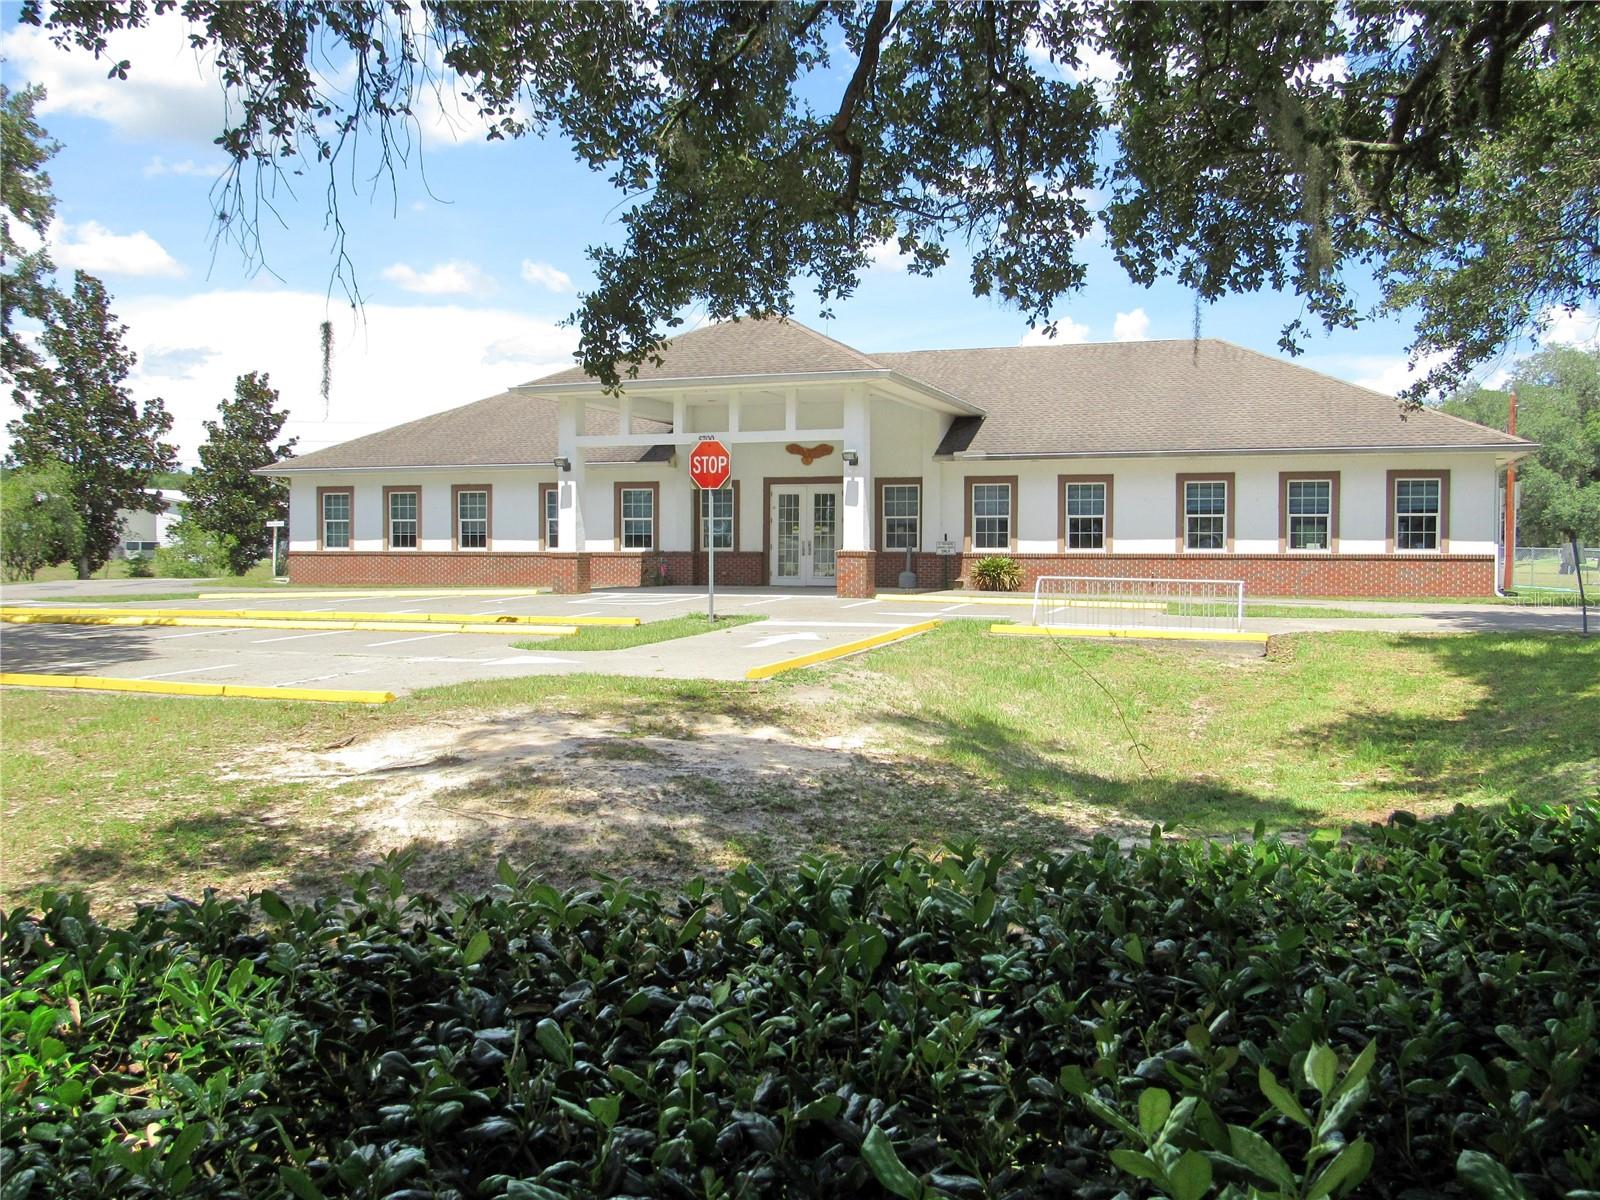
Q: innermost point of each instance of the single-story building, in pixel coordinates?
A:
(144, 531)
(1184, 459)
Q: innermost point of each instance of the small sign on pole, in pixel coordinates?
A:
(710, 468)
(275, 526)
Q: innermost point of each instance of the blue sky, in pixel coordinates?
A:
(465, 288)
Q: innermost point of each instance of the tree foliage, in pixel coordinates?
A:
(1237, 147)
(1558, 406)
(26, 202)
(39, 525)
(224, 496)
(81, 414)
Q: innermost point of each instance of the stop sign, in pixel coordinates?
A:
(710, 464)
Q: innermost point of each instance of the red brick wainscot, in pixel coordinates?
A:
(855, 573)
(1378, 575)
(554, 570)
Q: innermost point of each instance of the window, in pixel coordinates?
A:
(472, 519)
(638, 508)
(716, 518)
(1310, 514)
(1205, 514)
(991, 516)
(1416, 514)
(336, 520)
(901, 504)
(550, 498)
(1086, 510)
(402, 520)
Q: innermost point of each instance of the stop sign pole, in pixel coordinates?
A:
(710, 467)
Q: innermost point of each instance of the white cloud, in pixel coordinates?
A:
(94, 248)
(1391, 374)
(1578, 328)
(1131, 326)
(454, 278)
(1068, 332)
(886, 256)
(550, 278)
(394, 364)
(170, 92)
(160, 166)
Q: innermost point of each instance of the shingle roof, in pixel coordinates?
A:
(1167, 397)
(504, 430)
(748, 347)
(1157, 397)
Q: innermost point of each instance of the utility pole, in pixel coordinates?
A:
(1510, 545)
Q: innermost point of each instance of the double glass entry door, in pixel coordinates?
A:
(805, 534)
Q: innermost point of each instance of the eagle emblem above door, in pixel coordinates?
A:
(809, 454)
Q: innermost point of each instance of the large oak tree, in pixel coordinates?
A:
(1450, 147)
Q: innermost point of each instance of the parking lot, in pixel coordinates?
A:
(793, 624)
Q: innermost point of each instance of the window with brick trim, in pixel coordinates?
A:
(902, 516)
(1310, 504)
(1416, 513)
(403, 520)
(1086, 516)
(1205, 514)
(991, 516)
(472, 520)
(336, 520)
(638, 506)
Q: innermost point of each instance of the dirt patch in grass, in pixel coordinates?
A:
(579, 796)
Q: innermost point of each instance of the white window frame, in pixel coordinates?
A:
(708, 517)
(550, 499)
(978, 542)
(1437, 512)
(624, 519)
(1190, 517)
(1100, 517)
(915, 542)
(1325, 516)
(348, 520)
(462, 519)
(414, 520)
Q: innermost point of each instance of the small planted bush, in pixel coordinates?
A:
(996, 573)
(1411, 1015)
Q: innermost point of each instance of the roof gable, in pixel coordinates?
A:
(752, 346)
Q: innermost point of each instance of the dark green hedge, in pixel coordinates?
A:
(1184, 1020)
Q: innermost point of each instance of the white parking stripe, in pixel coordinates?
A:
(167, 637)
(953, 607)
(421, 637)
(319, 678)
(834, 624)
(190, 671)
(295, 637)
(859, 603)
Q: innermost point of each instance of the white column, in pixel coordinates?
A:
(791, 408)
(569, 518)
(932, 481)
(857, 515)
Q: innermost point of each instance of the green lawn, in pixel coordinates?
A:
(955, 735)
(117, 568)
(623, 637)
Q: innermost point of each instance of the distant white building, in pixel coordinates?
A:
(146, 532)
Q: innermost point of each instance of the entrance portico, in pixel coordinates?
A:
(803, 448)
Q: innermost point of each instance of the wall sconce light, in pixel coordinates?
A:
(563, 464)
(851, 458)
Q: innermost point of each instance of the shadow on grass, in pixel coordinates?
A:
(1038, 770)
(1533, 735)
